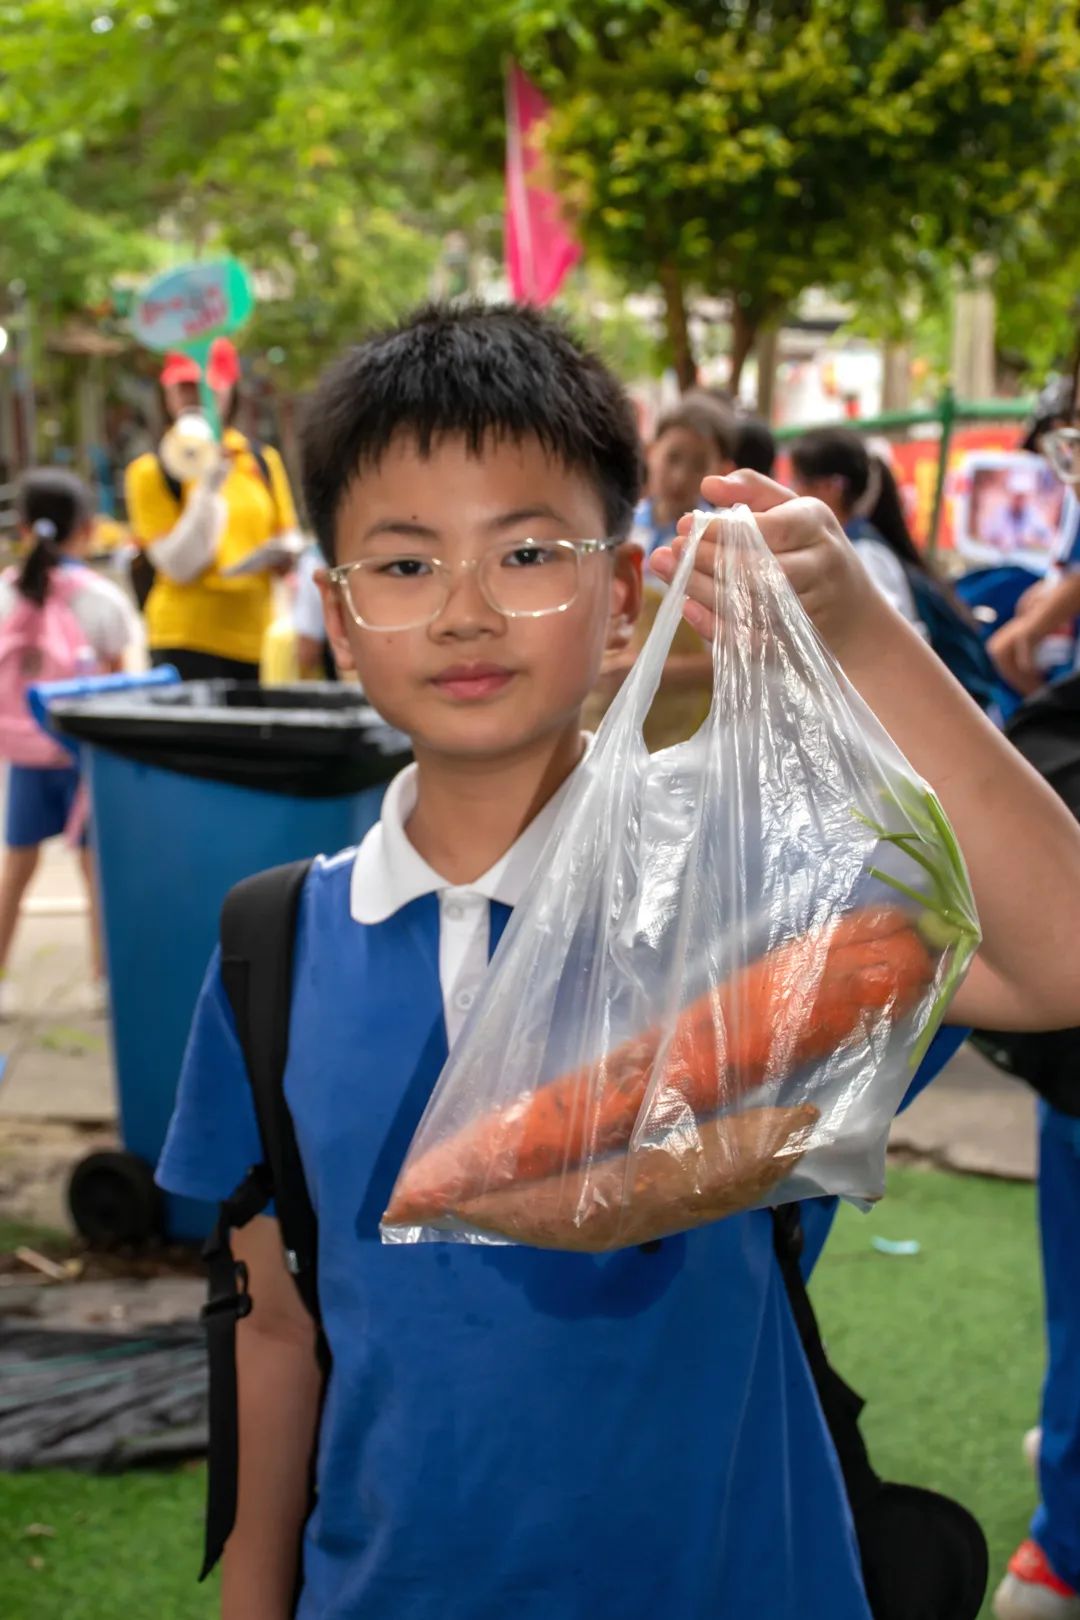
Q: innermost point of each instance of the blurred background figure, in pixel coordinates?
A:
(315, 660)
(694, 439)
(1016, 524)
(755, 445)
(203, 614)
(1040, 641)
(835, 465)
(58, 620)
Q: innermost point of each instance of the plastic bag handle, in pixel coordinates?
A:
(640, 687)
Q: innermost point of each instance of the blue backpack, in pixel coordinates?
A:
(956, 642)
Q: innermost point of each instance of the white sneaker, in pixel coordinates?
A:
(1032, 1448)
(1031, 1590)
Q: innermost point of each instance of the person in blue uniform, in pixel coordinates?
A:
(1043, 1578)
(1050, 609)
(508, 1432)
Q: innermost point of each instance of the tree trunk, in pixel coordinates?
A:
(895, 376)
(767, 349)
(678, 330)
(744, 329)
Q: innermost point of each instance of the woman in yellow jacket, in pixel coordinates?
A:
(199, 617)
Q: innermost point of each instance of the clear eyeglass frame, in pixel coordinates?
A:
(444, 572)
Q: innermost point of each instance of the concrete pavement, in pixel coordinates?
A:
(57, 1099)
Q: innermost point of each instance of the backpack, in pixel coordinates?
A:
(143, 572)
(957, 643)
(1046, 730)
(924, 1557)
(44, 643)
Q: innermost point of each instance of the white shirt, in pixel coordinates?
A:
(307, 606)
(887, 572)
(108, 620)
(388, 873)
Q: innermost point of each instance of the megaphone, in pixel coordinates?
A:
(189, 447)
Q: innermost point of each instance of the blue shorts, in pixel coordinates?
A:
(39, 803)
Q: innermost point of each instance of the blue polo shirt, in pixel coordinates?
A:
(510, 1434)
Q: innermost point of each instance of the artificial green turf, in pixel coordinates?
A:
(122, 1548)
(946, 1346)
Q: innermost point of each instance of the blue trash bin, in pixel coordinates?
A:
(192, 788)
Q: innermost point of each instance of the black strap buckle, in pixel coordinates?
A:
(234, 1301)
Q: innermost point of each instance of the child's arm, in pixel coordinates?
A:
(279, 1386)
(1022, 846)
(1014, 646)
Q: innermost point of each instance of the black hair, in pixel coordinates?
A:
(755, 446)
(834, 453)
(54, 505)
(887, 517)
(704, 414)
(477, 372)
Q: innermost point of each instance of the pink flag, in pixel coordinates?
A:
(539, 249)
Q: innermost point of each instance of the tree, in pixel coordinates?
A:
(268, 130)
(755, 150)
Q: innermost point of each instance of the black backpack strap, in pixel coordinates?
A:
(923, 1556)
(840, 1404)
(258, 451)
(258, 926)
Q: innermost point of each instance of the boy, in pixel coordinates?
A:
(507, 1434)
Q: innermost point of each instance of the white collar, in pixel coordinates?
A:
(388, 872)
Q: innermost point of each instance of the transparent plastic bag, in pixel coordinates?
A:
(730, 961)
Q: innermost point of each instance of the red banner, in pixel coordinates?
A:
(539, 250)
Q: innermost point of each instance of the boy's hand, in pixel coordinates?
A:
(811, 548)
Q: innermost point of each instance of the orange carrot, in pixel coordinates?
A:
(796, 1004)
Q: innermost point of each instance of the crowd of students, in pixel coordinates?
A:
(473, 1432)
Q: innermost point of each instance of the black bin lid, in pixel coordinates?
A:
(314, 740)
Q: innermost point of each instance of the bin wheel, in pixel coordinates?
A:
(112, 1199)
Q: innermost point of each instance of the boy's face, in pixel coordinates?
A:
(678, 461)
(475, 682)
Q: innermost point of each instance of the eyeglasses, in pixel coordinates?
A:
(523, 579)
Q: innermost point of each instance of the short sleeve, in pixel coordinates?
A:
(887, 573)
(213, 1137)
(282, 493)
(107, 617)
(152, 512)
(307, 608)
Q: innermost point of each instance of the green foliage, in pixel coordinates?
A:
(178, 128)
(748, 148)
(766, 148)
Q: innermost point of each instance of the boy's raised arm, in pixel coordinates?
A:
(279, 1388)
(1021, 844)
